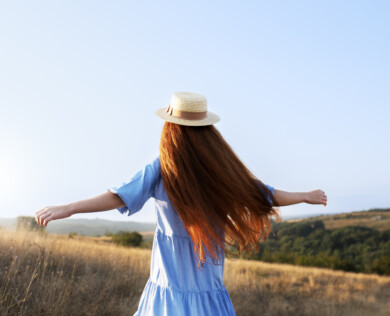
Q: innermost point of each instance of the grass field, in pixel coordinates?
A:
(57, 275)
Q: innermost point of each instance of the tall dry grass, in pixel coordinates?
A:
(56, 275)
(258, 288)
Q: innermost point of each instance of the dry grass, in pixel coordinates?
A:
(376, 220)
(258, 288)
(374, 223)
(56, 275)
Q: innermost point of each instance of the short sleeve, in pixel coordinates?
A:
(271, 188)
(139, 188)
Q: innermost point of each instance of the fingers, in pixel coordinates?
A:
(324, 198)
(44, 218)
(47, 220)
(321, 197)
(317, 197)
(41, 215)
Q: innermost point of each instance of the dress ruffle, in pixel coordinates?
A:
(165, 301)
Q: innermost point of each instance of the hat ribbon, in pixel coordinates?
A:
(185, 114)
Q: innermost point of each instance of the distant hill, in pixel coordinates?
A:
(87, 227)
(355, 241)
(377, 218)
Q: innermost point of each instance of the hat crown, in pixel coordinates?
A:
(189, 102)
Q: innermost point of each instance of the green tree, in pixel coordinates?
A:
(29, 223)
(129, 239)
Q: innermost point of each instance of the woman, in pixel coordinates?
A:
(205, 199)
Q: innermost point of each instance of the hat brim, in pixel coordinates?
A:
(210, 119)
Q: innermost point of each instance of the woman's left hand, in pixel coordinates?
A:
(316, 197)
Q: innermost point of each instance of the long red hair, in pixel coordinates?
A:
(218, 199)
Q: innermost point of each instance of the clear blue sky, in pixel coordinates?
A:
(302, 89)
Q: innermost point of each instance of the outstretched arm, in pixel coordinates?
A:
(103, 202)
(285, 198)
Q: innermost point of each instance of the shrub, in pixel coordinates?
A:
(72, 234)
(129, 239)
(29, 223)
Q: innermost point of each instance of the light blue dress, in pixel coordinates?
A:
(176, 286)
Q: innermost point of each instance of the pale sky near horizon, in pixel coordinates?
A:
(302, 89)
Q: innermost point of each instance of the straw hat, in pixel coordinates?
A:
(188, 108)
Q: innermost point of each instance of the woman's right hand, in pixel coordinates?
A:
(49, 213)
(316, 197)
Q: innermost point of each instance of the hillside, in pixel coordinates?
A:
(373, 218)
(356, 242)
